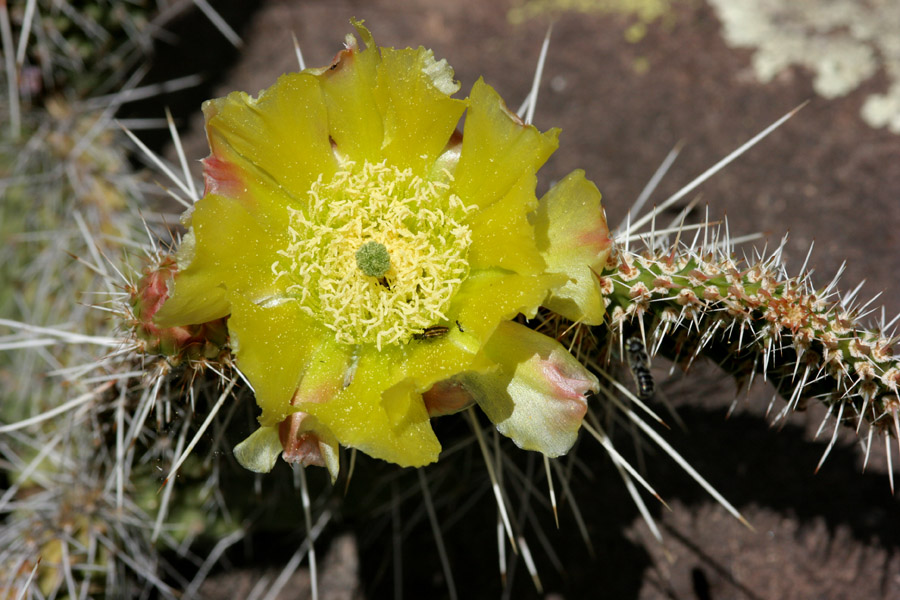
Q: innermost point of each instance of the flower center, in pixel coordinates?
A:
(373, 259)
(377, 253)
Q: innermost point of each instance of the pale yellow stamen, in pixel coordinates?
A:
(420, 224)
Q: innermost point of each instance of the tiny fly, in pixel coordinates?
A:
(431, 333)
(639, 363)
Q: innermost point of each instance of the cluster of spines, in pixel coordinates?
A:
(79, 357)
(190, 344)
(753, 318)
(81, 47)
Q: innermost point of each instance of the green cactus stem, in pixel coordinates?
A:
(751, 318)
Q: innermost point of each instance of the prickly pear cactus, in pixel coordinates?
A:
(755, 318)
(353, 271)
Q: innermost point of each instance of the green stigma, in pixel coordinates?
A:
(373, 259)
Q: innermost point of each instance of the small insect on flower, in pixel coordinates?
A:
(639, 363)
(431, 333)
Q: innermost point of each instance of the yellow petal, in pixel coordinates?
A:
(382, 418)
(497, 148)
(274, 346)
(429, 360)
(227, 249)
(574, 240)
(329, 449)
(330, 370)
(305, 439)
(196, 299)
(419, 118)
(260, 451)
(348, 86)
(279, 139)
(490, 296)
(537, 396)
(503, 237)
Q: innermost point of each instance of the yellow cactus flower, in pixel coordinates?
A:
(367, 253)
